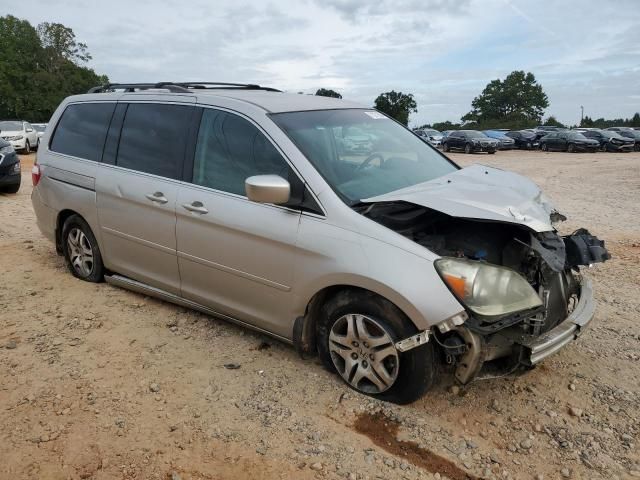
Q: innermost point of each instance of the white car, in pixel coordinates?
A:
(40, 128)
(20, 134)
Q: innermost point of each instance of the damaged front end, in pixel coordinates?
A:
(522, 289)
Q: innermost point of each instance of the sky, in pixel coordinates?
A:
(584, 53)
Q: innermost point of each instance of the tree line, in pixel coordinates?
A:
(39, 67)
(516, 102)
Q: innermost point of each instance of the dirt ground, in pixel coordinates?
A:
(97, 382)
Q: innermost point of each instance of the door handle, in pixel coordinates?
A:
(195, 207)
(157, 197)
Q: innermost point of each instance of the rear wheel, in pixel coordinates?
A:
(571, 148)
(468, 148)
(11, 188)
(445, 147)
(544, 147)
(81, 251)
(356, 339)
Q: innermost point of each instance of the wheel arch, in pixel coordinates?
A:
(305, 328)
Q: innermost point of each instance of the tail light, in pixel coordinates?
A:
(35, 174)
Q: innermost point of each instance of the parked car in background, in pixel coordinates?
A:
(10, 174)
(628, 132)
(568, 141)
(434, 137)
(611, 141)
(445, 134)
(524, 139)
(20, 134)
(543, 130)
(504, 142)
(469, 141)
(238, 203)
(40, 128)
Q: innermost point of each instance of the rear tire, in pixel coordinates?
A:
(445, 147)
(544, 147)
(11, 188)
(468, 148)
(81, 252)
(355, 329)
(571, 148)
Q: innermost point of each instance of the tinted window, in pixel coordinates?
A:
(82, 130)
(153, 138)
(230, 149)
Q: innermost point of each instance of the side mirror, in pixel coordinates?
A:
(267, 189)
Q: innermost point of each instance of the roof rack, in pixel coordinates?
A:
(177, 87)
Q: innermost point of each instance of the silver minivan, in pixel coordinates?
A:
(270, 210)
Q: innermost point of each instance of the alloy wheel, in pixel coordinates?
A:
(80, 252)
(27, 147)
(364, 353)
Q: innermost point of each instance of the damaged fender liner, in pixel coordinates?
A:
(539, 348)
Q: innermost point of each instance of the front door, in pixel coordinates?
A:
(236, 256)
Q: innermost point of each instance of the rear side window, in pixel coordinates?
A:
(230, 149)
(153, 138)
(82, 130)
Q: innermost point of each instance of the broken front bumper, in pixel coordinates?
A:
(538, 348)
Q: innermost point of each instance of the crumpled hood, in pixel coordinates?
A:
(481, 192)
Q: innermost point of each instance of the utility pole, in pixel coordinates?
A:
(581, 114)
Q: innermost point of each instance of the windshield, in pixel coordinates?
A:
(10, 126)
(433, 133)
(474, 134)
(577, 136)
(362, 153)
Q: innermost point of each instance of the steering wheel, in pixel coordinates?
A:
(369, 159)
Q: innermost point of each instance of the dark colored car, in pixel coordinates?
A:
(628, 132)
(470, 141)
(567, 141)
(504, 142)
(611, 141)
(9, 168)
(524, 139)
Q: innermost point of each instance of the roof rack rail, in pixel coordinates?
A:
(177, 87)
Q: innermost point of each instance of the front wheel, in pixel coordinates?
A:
(445, 147)
(571, 148)
(468, 148)
(81, 251)
(356, 339)
(544, 147)
(27, 147)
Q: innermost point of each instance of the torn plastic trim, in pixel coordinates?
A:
(452, 322)
(539, 348)
(413, 341)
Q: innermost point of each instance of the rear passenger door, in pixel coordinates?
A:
(236, 256)
(137, 191)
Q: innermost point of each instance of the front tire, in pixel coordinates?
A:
(445, 147)
(571, 148)
(27, 147)
(81, 251)
(468, 148)
(544, 147)
(356, 338)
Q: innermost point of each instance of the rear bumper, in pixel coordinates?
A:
(538, 348)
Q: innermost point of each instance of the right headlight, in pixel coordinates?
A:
(487, 290)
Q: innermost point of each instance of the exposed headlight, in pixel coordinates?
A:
(488, 290)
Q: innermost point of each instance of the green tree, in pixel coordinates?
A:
(39, 68)
(442, 126)
(326, 92)
(518, 101)
(635, 121)
(552, 121)
(397, 105)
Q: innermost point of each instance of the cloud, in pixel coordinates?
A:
(586, 53)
